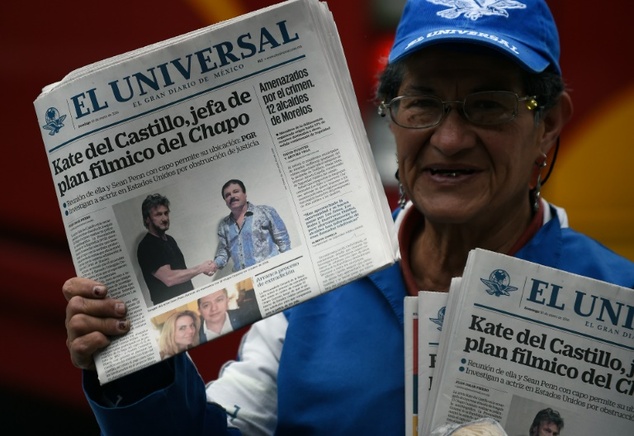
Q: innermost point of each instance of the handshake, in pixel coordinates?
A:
(208, 267)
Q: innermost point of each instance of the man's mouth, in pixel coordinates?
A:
(450, 172)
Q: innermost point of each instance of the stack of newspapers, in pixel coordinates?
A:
(266, 99)
(513, 338)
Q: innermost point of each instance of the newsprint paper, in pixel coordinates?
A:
(266, 99)
(410, 326)
(519, 337)
(422, 322)
(431, 316)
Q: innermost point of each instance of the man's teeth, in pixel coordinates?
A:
(450, 173)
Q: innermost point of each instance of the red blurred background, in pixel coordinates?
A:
(40, 42)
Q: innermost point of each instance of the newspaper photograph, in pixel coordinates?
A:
(520, 338)
(216, 178)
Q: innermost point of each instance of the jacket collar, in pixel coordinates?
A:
(544, 247)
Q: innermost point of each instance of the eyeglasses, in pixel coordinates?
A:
(487, 108)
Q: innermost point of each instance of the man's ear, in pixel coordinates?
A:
(554, 121)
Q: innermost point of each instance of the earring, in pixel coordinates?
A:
(402, 198)
(537, 193)
(539, 164)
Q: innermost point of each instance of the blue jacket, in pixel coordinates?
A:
(341, 367)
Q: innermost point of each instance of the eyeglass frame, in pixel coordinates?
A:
(447, 106)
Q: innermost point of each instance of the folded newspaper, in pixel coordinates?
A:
(259, 107)
(519, 338)
(431, 317)
(412, 358)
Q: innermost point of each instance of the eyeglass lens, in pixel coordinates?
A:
(484, 108)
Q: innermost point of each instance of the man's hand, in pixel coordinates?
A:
(91, 319)
(211, 268)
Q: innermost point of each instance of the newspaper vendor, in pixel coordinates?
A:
(476, 101)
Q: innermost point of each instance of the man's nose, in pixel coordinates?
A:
(453, 134)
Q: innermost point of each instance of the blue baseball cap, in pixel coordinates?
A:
(524, 30)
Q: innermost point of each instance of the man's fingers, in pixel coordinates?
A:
(88, 334)
(82, 287)
(83, 348)
(98, 308)
(81, 324)
(92, 319)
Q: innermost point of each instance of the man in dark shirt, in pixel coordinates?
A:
(161, 261)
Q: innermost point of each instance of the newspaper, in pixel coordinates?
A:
(423, 318)
(520, 337)
(265, 98)
(410, 334)
(431, 316)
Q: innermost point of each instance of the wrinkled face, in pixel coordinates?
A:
(234, 196)
(159, 219)
(185, 332)
(548, 429)
(457, 172)
(213, 307)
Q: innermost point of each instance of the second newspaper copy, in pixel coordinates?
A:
(520, 338)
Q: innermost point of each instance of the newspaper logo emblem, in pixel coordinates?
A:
(499, 283)
(441, 318)
(54, 121)
(473, 9)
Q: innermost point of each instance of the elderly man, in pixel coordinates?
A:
(475, 100)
